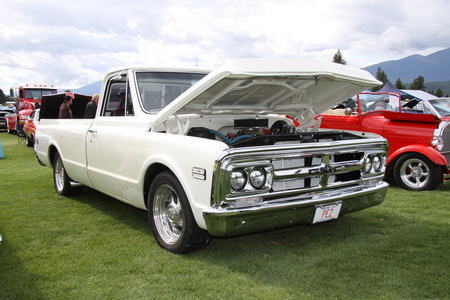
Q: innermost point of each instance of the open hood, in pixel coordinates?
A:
(299, 88)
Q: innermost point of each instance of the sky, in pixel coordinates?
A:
(71, 44)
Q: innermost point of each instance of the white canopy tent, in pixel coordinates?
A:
(418, 94)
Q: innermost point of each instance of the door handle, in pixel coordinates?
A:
(92, 131)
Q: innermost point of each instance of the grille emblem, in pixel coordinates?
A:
(326, 169)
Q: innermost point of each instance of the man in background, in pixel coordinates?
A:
(91, 107)
(64, 110)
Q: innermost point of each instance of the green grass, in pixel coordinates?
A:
(92, 246)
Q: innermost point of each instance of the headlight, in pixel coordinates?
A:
(377, 163)
(438, 144)
(251, 178)
(257, 177)
(238, 179)
(374, 163)
(368, 164)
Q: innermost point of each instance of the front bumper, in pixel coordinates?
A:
(446, 179)
(231, 222)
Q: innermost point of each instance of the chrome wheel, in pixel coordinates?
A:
(416, 172)
(61, 180)
(170, 216)
(167, 214)
(59, 175)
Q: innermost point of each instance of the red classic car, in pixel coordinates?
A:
(29, 127)
(418, 132)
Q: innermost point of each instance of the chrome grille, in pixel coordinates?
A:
(314, 171)
(300, 168)
(445, 136)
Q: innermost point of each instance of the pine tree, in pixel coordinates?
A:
(3, 97)
(439, 93)
(381, 76)
(339, 58)
(399, 84)
(418, 84)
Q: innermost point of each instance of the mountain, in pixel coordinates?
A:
(89, 89)
(433, 67)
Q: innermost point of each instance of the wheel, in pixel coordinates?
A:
(415, 172)
(171, 218)
(61, 180)
(28, 142)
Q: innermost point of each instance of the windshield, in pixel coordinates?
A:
(442, 106)
(32, 93)
(158, 89)
(380, 101)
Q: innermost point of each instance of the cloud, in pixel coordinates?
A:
(75, 43)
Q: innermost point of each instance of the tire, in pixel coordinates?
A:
(61, 180)
(28, 142)
(171, 219)
(415, 172)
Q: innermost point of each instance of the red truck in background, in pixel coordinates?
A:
(418, 132)
(25, 95)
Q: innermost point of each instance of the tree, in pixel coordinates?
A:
(3, 97)
(399, 84)
(439, 93)
(381, 76)
(339, 58)
(418, 84)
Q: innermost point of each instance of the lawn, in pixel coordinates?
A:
(92, 246)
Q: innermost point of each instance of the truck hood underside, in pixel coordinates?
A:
(295, 87)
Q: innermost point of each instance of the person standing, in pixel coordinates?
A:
(36, 103)
(64, 110)
(91, 107)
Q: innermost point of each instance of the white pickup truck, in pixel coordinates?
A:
(222, 153)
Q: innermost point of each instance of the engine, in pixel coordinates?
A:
(256, 132)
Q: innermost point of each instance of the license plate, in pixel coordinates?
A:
(326, 212)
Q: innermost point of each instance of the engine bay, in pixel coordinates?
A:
(256, 132)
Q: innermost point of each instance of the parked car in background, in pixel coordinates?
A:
(418, 132)
(4, 110)
(11, 104)
(439, 107)
(26, 99)
(29, 127)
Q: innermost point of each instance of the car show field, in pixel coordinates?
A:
(91, 246)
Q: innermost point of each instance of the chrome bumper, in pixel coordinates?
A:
(446, 179)
(273, 215)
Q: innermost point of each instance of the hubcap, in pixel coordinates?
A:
(59, 174)
(167, 214)
(415, 173)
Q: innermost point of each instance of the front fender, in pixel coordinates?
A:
(180, 155)
(432, 154)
